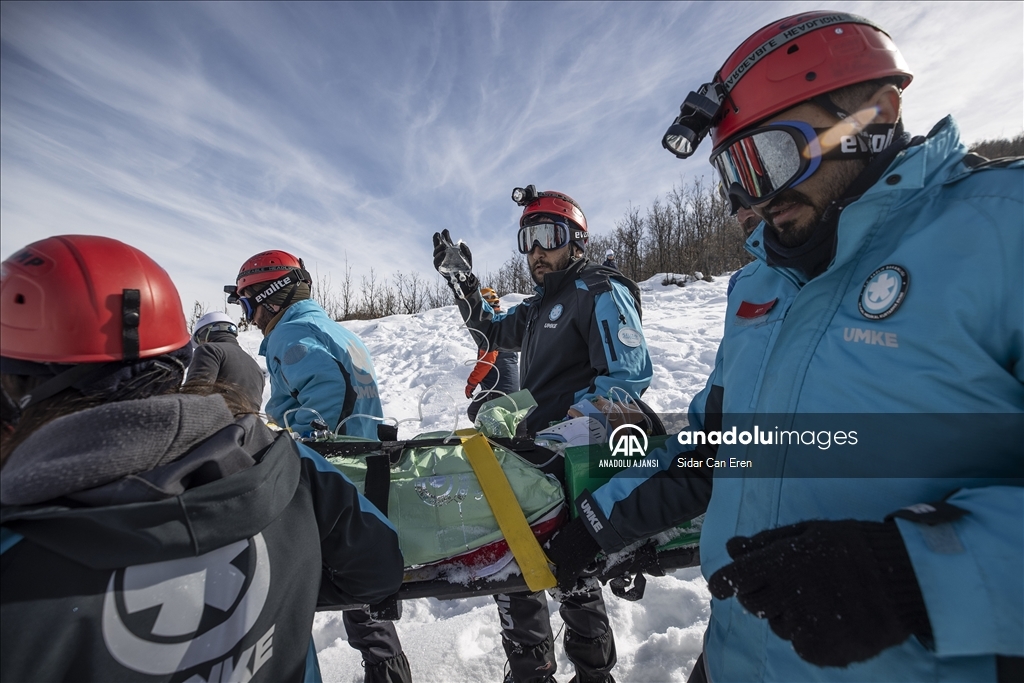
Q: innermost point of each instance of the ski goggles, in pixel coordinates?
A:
(758, 164)
(547, 235)
(259, 293)
(246, 302)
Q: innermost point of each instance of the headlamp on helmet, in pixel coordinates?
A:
(524, 195)
(697, 114)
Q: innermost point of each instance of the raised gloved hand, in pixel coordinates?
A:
(455, 263)
(459, 257)
(573, 550)
(841, 591)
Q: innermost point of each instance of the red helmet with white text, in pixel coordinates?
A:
(797, 58)
(787, 62)
(266, 266)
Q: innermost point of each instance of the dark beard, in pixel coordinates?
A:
(792, 236)
(561, 264)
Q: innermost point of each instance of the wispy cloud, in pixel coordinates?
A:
(203, 133)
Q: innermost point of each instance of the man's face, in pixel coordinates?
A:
(262, 318)
(544, 261)
(747, 219)
(794, 213)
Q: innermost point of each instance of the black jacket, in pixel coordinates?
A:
(221, 359)
(570, 335)
(207, 559)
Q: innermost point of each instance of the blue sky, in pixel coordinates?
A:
(204, 133)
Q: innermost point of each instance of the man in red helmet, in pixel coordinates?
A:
(321, 377)
(582, 349)
(152, 533)
(867, 513)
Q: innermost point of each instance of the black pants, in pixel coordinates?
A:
(378, 642)
(529, 643)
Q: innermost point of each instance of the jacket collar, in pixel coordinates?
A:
(299, 308)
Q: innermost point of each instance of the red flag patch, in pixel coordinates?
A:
(748, 310)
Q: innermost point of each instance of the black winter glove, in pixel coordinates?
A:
(460, 273)
(572, 550)
(442, 243)
(840, 591)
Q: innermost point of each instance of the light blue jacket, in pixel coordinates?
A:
(315, 363)
(930, 377)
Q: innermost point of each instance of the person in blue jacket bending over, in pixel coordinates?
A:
(314, 363)
(321, 377)
(858, 445)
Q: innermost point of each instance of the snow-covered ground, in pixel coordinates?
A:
(422, 362)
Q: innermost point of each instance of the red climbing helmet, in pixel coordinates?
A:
(787, 62)
(87, 299)
(266, 266)
(548, 208)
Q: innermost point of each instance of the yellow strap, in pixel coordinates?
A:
(527, 551)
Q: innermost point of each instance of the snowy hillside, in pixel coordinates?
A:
(422, 362)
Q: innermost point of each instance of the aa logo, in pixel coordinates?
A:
(629, 441)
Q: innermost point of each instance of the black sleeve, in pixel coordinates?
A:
(205, 365)
(361, 558)
(627, 509)
(496, 330)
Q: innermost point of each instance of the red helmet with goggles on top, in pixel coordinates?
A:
(266, 266)
(802, 57)
(550, 219)
(274, 269)
(797, 58)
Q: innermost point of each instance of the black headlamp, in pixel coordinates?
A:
(524, 195)
(696, 116)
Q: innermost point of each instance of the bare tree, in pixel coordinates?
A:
(1000, 147)
(629, 236)
(440, 294)
(198, 311)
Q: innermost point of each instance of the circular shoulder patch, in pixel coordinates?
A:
(556, 313)
(294, 354)
(883, 292)
(630, 337)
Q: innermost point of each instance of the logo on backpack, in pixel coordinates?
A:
(204, 607)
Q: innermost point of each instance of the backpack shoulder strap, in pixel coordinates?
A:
(598, 279)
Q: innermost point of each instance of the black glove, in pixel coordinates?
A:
(572, 550)
(840, 591)
(442, 242)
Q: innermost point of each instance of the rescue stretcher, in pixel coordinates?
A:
(473, 508)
